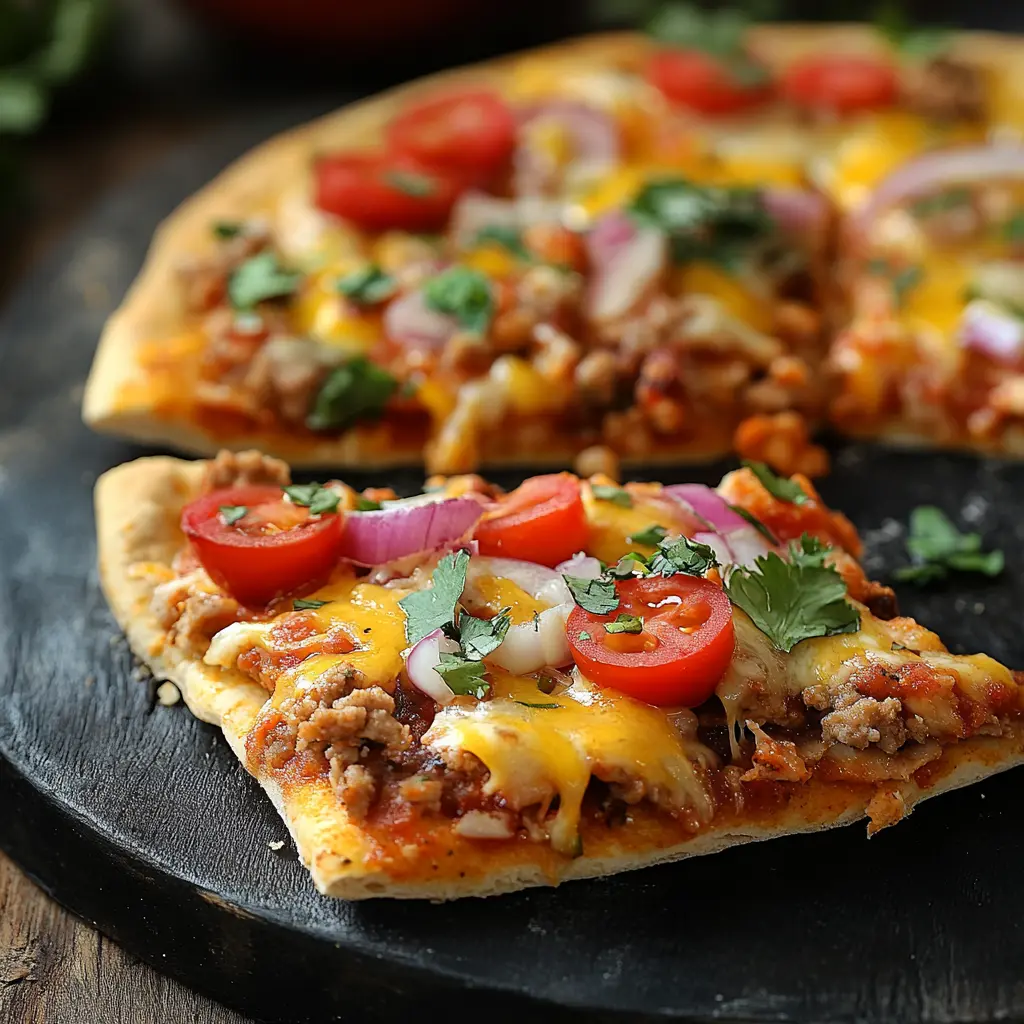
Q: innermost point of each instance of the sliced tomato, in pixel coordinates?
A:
(468, 134)
(841, 84)
(685, 647)
(274, 549)
(542, 520)
(703, 82)
(380, 193)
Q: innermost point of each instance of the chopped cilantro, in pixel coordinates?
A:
(596, 596)
(755, 523)
(411, 183)
(650, 536)
(704, 221)
(1013, 229)
(940, 202)
(616, 495)
(937, 546)
(231, 514)
(430, 609)
(356, 390)
(464, 294)
(794, 600)
(481, 636)
(923, 41)
(464, 677)
(507, 237)
(225, 229)
(303, 604)
(683, 555)
(528, 704)
(366, 504)
(777, 486)
(259, 278)
(317, 498)
(584, 635)
(623, 623)
(902, 280)
(368, 285)
(628, 566)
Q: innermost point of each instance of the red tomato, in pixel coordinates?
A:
(542, 520)
(842, 84)
(379, 193)
(466, 133)
(702, 82)
(275, 549)
(684, 649)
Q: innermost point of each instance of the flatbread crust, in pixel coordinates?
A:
(138, 506)
(256, 181)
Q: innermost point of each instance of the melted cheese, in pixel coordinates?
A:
(322, 314)
(495, 592)
(611, 525)
(534, 754)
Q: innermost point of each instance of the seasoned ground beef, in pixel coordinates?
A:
(234, 469)
(774, 760)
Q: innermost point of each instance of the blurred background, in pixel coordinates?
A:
(91, 91)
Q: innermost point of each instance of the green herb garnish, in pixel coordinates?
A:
(433, 608)
(367, 504)
(479, 637)
(411, 183)
(225, 229)
(356, 390)
(683, 555)
(305, 604)
(754, 522)
(507, 237)
(937, 546)
(623, 623)
(794, 600)
(595, 596)
(941, 202)
(260, 278)
(464, 294)
(368, 285)
(528, 704)
(650, 536)
(231, 514)
(464, 677)
(922, 41)
(777, 486)
(1013, 229)
(583, 634)
(902, 281)
(616, 495)
(317, 498)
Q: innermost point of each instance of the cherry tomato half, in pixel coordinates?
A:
(468, 134)
(380, 193)
(841, 84)
(542, 520)
(702, 82)
(275, 549)
(684, 649)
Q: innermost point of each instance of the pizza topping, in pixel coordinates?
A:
(946, 90)
(317, 498)
(421, 666)
(354, 392)
(408, 526)
(259, 279)
(414, 324)
(231, 469)
(777, 486)
(937, 547)
(274, 549)
(368, 285)
(628, 263)
(840, 84)
(434, 607)
(464, 294)
(993, 331)
(795, 599)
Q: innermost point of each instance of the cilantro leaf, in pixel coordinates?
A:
(317, 498)
(259, 278)
(650, 536)
(356, 390)
(528, 704)
(795, 600)
(902, 280)
(755, 523)
(683, 555)
(936, 546)
(584, 635)
(616, 495)
(628, 566)
(302, 604)
(595, 596)
(464, 294)
(507, 237)
(941, 202)
(777, 486)
(411, 183)
(481, 636)
(1013, 229)
(430, 609)
(464, 677)
(366, 504)
(624, 623)
(231, 514)
(368, 285)
(911, 40)
(225, 229)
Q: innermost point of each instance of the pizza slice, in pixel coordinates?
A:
(469, 692)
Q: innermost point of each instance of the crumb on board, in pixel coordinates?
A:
(276, 844)
(168, 694)
(90, 680)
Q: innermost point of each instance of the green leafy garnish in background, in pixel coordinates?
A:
(357, 390)
(937, 547)
(923, 41)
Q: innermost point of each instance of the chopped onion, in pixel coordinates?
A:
(989, 329)
(401, 529)
(482, 825)
(748, 544)
(421, 666)
(538, 581)
(719, 545)
(582, 565)
(798, 211)
(962, 165)
(627, 261)
(708, 505)
(411, 323)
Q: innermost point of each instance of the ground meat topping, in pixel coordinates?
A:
(867, 721)
(192, 611)
(946, 89)
(234, 469)
(774, 760)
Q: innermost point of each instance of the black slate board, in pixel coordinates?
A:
(139, 818)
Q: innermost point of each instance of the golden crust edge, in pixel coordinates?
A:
(257, 173)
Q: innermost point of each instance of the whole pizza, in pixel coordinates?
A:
(623, 248)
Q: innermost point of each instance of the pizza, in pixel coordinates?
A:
(469, 692)
(638, 247)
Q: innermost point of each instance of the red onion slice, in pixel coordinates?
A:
(581, 565)
(708, 505)
(719, 545)
(627, 262)
(475, 211)
(371, 538)
(962, 165)
(992, 331)
(798, 211)
(410, 322)
(747, 545)
(421, 666)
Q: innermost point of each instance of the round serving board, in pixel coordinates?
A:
(138, 817)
